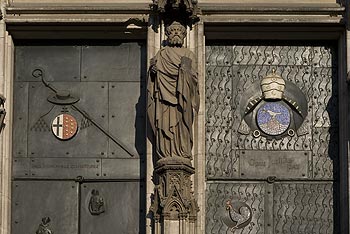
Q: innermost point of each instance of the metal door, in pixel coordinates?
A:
(288, 184)
(85, 173)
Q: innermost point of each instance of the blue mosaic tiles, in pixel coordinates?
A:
(273, 118)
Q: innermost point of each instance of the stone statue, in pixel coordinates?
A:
(173, 96)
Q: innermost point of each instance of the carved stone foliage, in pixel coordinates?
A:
(184, 11)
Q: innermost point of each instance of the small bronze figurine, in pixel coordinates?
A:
(96, 204)
(44, 226)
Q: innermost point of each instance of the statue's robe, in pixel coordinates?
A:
(173, 97)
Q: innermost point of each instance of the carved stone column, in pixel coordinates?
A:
(174, 206)
(173, 101)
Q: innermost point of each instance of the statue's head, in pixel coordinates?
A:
(176, 34)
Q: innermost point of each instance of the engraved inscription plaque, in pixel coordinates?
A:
(65, 168)
(281, 164)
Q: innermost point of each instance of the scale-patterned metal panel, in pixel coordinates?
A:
(303, 208)
(253, 194)
(231, 70)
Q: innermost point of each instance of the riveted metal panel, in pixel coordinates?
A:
(220, 161)
(112, 63)
(303, 208)
(121, 168)
(325, 152)
(324, 56)
(121, 205)
(253, 194)
(20, 167)
(60, 63)
(127, 118)
(219, 95)
(34, 200)
(20, 113)
(232, 69)
(89, 141)
(289, 207)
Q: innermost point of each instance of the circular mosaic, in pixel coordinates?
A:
(273, 118)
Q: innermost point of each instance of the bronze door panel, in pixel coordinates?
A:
(104, 210)
(298, 172)
(34, 200)
(91, 181)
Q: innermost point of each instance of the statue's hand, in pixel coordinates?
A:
(153, 67)
(186, 63)
(2, 99)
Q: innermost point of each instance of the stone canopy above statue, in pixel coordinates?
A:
(183, 11)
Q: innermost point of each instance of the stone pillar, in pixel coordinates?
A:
(6, 84)
(197, 45)
(174, 205)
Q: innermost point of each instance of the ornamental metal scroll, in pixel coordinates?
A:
(273, 108)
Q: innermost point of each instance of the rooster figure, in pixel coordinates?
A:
(238, 215)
